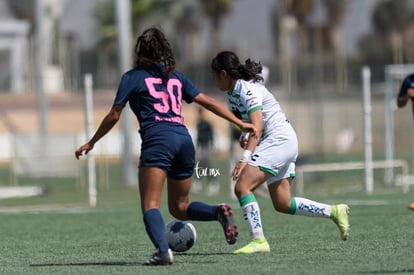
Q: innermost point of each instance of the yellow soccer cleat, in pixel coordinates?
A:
(340, 217)
(255, 246)
(411, 206)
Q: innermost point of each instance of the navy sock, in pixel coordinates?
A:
(198, 211)
(155, 227)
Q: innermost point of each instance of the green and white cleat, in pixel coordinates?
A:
(255, 246)
(340, 215)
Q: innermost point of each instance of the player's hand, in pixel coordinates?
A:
(248, 127)
(83, 150)
(410, 92)
(243, 139)
(238, 169)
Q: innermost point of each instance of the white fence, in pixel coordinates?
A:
(344, 166)
(52, 155)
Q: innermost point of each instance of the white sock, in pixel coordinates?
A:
(251, 215)
(305, 207)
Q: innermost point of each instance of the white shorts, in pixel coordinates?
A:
(287, 171)
(277, 154)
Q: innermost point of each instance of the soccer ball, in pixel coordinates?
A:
(181, 235)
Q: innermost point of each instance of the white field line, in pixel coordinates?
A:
(82, 209)
(40, 209)
(371, 202)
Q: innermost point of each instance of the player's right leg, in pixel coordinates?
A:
(249, 179)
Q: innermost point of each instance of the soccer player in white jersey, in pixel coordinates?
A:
(268, 158)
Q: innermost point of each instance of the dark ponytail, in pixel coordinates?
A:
(229, 61)
(152, 48)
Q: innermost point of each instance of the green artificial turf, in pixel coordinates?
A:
(111, 239)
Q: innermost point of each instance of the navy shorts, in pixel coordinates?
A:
(172, 150)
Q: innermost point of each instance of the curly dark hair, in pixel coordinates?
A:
(230, 62)
(152, 48)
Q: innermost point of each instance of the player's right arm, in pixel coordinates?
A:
(217, 108)
(106, 125)
(256, 118)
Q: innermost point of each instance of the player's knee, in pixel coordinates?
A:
(282, 207)
(179, 210)
(240, 191)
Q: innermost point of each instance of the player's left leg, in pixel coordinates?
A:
(178, 197)
(151, 182)
(181, 208)
(283, 202)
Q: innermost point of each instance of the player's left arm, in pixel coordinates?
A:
(219, 109)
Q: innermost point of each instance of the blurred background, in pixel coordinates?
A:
(314, 49)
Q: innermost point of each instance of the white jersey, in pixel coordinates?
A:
(277, 149)
(248, 97)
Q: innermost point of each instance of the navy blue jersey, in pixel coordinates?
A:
(154, 98)
(408, 83)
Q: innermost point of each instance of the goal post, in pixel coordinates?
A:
(91, 166)
(366, 92)
(392, 73)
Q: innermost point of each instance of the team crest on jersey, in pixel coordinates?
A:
(233, 95)
(237, 113)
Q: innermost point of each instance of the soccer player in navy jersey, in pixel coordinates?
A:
(407, 93)
(155, 91)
